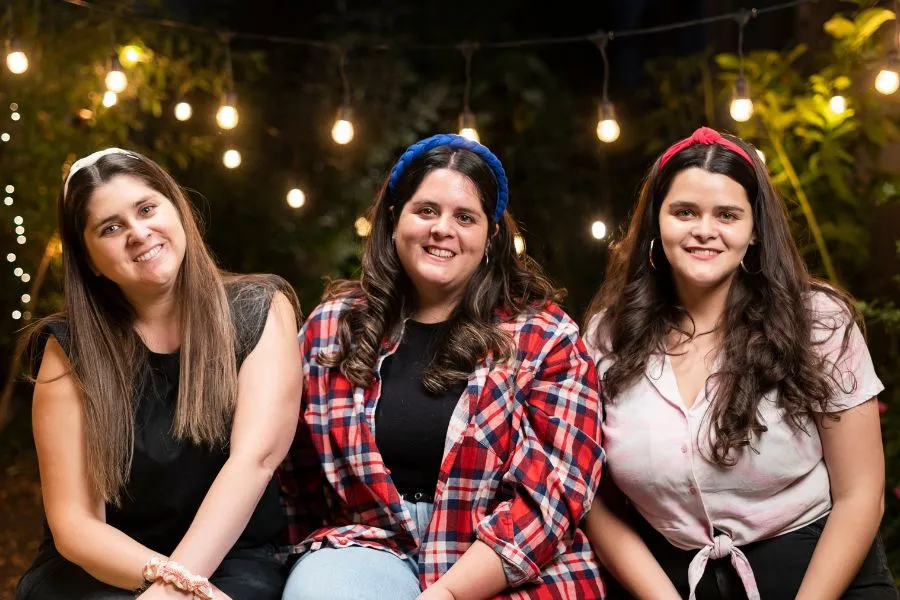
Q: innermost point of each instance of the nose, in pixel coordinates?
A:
(139, 232)
(705, 228)
(443, 226)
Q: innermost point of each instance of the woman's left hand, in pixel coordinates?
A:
(436, 592)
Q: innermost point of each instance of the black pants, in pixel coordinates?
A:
(779, 565)
(245, 574)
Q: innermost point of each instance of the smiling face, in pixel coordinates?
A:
(441, 236)
(706, 227)
(134, 237)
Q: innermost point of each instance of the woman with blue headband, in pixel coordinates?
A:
(452, 405)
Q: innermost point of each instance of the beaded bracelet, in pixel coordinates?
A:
(169, 571)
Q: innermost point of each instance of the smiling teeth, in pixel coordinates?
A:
(439, 253)
(704, 252)
(149, 254)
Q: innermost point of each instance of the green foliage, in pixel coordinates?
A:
(59, 99)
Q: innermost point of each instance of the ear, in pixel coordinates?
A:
(496, 230)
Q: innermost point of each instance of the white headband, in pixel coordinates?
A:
(90, 159)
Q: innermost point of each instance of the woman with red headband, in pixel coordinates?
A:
(740, 419)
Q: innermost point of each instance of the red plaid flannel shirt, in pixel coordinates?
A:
(521, 463)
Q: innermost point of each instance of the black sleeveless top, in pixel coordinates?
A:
(169, 478)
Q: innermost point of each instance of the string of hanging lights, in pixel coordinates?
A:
(608, 128)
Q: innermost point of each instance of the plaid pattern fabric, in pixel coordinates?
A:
(521, 463)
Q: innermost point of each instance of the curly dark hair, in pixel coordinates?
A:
(383, 296)
(767, 341)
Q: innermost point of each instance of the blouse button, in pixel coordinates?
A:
(684, 449)
(692, 490)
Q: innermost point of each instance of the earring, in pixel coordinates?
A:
(650, 255)
(487, 259)
(748, 271)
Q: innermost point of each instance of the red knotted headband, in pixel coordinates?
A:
(706, 136)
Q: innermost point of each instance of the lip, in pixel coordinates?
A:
(690, 251)
(161, 247)
(438, 258)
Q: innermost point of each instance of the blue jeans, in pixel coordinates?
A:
(358, 573)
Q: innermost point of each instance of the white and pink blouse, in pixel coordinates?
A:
(655, 447)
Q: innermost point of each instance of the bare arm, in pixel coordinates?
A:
(855, 460)
(477, 575)
(75, 513)
(621, 549)
(269, 390)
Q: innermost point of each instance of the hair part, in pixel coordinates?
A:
(767, 323)
(384, 295)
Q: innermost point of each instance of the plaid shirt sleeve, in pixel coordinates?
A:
(557, 459)
(300, 475)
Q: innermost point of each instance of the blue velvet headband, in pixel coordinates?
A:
(454, 141)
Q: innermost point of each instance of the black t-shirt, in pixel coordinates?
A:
(410, 422)
(169, 478)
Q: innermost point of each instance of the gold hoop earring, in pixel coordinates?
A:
(748, 271)
(650, 255)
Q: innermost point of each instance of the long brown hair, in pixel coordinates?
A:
(767, 324)
(105, 351)
(383, 296)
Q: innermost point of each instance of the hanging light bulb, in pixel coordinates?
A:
(888, 79)
(110, 98)
(741, 104)
(116, 81)
(342, 131)
(131, 55)
(838, 104)
(183, 111)
(519, 244)
(598, 230)
(467, 126)
(16, 60)
(231, 158)
(363, 227)
(296, 198)
(608, 129)
(227, 115)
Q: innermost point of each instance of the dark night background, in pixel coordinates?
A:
(536, 108)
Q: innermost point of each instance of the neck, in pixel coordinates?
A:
(705, 305)
(434, 310)
(158, 320)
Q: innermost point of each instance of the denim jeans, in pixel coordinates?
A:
(244, 574)
(359, 573)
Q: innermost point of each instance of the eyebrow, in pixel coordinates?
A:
(429, 202)
(679, 204)
(113, 217)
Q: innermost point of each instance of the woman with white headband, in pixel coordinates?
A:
(166, 395)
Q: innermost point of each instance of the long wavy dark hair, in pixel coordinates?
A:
(384, 294)
(767, 326)
(106, 353)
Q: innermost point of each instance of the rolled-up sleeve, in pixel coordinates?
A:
(555, 465)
